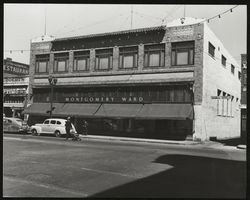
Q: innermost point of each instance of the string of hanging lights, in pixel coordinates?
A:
(208, 20)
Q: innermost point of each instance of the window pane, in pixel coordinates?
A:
(179, 95)
(104, 63)
(154, 59)
(81, 64)
(191, 56)
(146, 59)
(211, 49)
(182, 58)
(171, 95)
(128, 61)
(173, 58)
(42, 67)
(61, 66)
(162, 58)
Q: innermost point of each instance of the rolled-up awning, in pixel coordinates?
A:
(166, 111)
(42, 108)
(118, 110)
(74, 109)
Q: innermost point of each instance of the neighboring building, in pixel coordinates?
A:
(161, 82)
(15, 87)
(243, 95)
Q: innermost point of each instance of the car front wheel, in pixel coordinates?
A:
(58, 134)
(34, 132)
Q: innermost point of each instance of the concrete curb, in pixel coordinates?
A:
(97, 137)
(241, 146)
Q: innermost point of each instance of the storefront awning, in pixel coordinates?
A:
(118, 110)
(74, 109)
(166, 111)
(42, 108)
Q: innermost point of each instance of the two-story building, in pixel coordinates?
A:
(15, 87)
(168, 82)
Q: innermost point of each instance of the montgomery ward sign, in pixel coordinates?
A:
(89, 99)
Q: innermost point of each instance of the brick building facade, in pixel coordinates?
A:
(159, 82)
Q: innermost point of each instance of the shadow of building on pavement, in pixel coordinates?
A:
(190, 177)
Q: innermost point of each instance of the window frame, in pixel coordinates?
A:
(42, 58)
(104, 53)
(239, 75)
(58, 58)
(211, 47)
(180, 47)
(154, 49)
(232, 69)
(128, 51)
(223, 60)
(82, 55)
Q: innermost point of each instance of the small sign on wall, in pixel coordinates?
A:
(183, 31)
(221, 97)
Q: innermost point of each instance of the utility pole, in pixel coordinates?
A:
(131, 24)
(184, 11)
(45, 23)
(184, 15)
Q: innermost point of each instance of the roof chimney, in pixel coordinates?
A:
(9, 59)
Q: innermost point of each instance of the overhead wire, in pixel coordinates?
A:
(219, 15)
(170, 13)
(93, 24)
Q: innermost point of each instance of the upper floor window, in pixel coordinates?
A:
(81, 61)
(211, 49)
(61, 61)
(232, 68)
(42, 62)
(154, 55)
(128, 57)
(104, 59)
(239, 75)
(183, 53)
(223, 60)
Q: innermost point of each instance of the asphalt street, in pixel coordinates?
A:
(38, 166)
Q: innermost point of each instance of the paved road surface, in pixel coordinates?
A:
(52, 167)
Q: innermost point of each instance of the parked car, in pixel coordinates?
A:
(14, 125)
(51, 126)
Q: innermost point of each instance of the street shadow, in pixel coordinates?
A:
(233, 141)
(190, 177)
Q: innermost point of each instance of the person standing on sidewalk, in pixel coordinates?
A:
(68, 127)
(85, 127)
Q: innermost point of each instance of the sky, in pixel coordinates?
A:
(23, 22)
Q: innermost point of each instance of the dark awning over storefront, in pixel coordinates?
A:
(42, 108)
(166, 111)
(74, 109)
(138, 111)
(118, 110)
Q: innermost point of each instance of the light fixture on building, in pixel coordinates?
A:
(199, 36)
(219, 16)
(182, 20)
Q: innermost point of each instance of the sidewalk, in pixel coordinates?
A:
(98, 137)
(206, 144)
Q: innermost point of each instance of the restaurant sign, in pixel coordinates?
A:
(102, 99)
